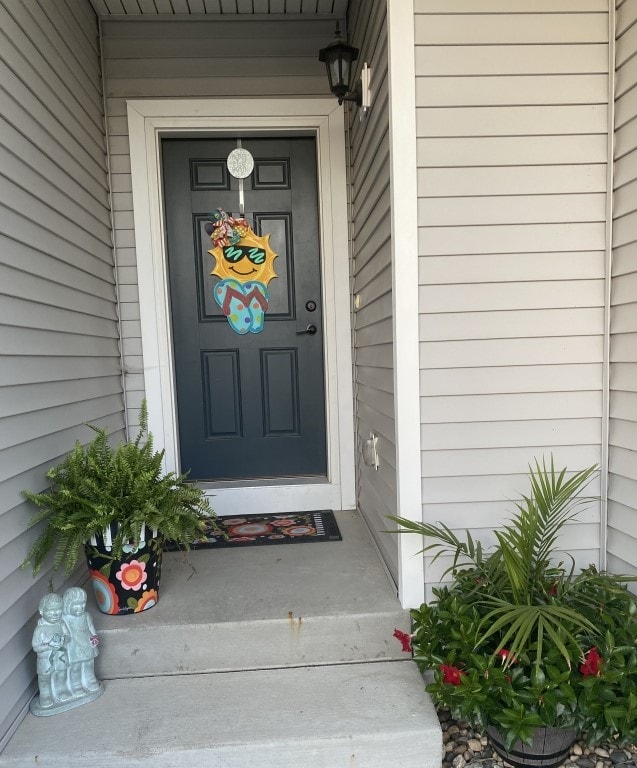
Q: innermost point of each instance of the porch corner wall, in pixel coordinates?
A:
(59, 340)
(512, 119)
(370, 233)
(622, 490)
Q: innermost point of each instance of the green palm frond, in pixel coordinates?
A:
(464, 553)
(515, 624)
(528, 541)
(514, 577)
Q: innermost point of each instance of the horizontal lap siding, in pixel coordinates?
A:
(512, 151)
(372, 280)
(622, 492)
(216, 58)
(60, 360)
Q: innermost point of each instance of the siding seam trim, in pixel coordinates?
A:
(120, 342)
(608, 272)
(353, 319)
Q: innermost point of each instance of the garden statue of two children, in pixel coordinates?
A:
(66, 646)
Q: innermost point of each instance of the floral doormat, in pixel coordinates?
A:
(255, 530)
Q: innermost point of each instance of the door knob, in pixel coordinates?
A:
(311, 330)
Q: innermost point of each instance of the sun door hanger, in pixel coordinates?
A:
(244, 261)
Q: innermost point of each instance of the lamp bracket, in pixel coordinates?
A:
(366, 91)
(361, 94)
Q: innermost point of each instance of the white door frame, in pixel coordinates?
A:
(148, 121)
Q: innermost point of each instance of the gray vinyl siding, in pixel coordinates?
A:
(622, 492)
(512, 159)
(180, 58)
(372, 279)
(59, 352)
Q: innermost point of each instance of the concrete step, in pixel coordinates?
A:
(343, 716)
(277, 656)
(233, 646)
(260, 607)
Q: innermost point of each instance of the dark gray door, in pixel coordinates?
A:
(253, 405)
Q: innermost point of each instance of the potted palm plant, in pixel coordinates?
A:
(521, 645)
(119, 504)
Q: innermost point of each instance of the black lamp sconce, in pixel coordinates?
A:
(339, 58)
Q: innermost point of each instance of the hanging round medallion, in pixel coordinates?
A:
(240, 163)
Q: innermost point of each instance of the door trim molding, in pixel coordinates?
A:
(150, 120)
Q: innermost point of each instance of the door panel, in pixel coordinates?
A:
(248, 406)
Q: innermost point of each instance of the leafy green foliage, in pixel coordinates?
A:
(519, 627)
(98, 485)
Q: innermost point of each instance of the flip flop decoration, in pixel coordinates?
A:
(244, 262)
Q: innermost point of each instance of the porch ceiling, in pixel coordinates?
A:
(185, 8)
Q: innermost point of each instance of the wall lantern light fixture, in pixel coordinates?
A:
(339, 58)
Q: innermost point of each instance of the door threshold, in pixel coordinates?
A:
(258, 482)
(273, 495)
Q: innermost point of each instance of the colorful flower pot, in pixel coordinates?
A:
(550, 747)
(129, 584)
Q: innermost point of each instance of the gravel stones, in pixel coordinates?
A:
(465, 748)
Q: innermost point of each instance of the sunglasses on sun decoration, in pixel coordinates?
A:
(234, 254)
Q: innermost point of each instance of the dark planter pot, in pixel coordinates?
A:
(550, 747)
(129, 584)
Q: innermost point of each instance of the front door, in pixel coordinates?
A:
(249, 404)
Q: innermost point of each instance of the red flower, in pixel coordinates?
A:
(405, 640)
(592, 663)
(506, 654)
(552, 590)
(450, 674)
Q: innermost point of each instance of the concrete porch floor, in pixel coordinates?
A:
(262, 656)
(318, 603)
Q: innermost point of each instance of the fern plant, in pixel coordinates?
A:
(98, 485)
